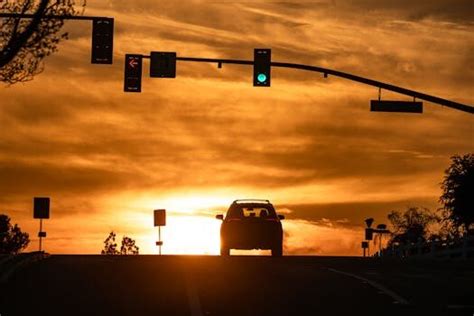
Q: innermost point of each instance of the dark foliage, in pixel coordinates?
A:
(458, 192)
(110, 246)
(24, 43)
(412, 225)
(128, 246)
(12, 239)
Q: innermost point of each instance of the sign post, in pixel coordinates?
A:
(159, 220)
(41, 210)
(365, 245)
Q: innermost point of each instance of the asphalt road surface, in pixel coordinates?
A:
(240, 285)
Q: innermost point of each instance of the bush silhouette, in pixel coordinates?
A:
(128, 246)
(12, 239)
(412, 225)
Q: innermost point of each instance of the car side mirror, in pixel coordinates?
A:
(220, 216)
(281, 217)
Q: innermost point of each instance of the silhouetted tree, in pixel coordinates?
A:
(24, 43)
(110, 246)
(411, 225)
(458, 192)
(12, 239)
(128, 246)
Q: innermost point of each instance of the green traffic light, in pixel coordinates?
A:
(261, 78)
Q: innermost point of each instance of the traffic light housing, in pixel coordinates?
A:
(163, 64)
(133, 73)
(261, 67)
(102, 41)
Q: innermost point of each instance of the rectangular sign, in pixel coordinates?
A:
(133, 73)
(369, 233)
(41, 207)
(163, 64)
(396, 106)
(102, 41)
(365, 245)
(160, 217)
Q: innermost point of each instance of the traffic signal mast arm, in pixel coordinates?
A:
(50, 16)
(326, 72)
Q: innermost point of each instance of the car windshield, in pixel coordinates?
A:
(251, 211)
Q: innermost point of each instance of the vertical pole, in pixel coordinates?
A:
(40, 235)
(159, 237)
(380, 243)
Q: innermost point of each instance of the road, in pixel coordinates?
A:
(240, 285)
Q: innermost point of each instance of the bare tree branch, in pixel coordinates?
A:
(24, 43)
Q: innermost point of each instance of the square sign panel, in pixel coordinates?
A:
(163, 64)
(160, 217)
(41, 207)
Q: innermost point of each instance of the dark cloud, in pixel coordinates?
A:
(354, 212)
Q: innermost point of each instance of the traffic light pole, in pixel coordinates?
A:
(102, 33)
(326, 72)
(40, 234)
(61, 17)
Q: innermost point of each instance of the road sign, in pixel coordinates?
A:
(262, 67)
(133, 73)
(365, 245)
(396, 106)
(102, 41)
(160, 217)
(369, 233)
(163, 64)
(41, 207)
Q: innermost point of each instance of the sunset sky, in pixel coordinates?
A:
(195, 143)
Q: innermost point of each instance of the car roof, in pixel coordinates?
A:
(251, 201)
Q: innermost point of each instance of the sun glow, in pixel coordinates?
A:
(191, 226)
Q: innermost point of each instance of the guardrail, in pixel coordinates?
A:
(455, 248)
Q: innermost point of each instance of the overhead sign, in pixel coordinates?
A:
(163, 64)
(396, 106)
(41, 207)
(102, 41)
(133, 73)
(261, 67)
(160, 217)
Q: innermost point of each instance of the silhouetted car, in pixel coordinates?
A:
(251, 224)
